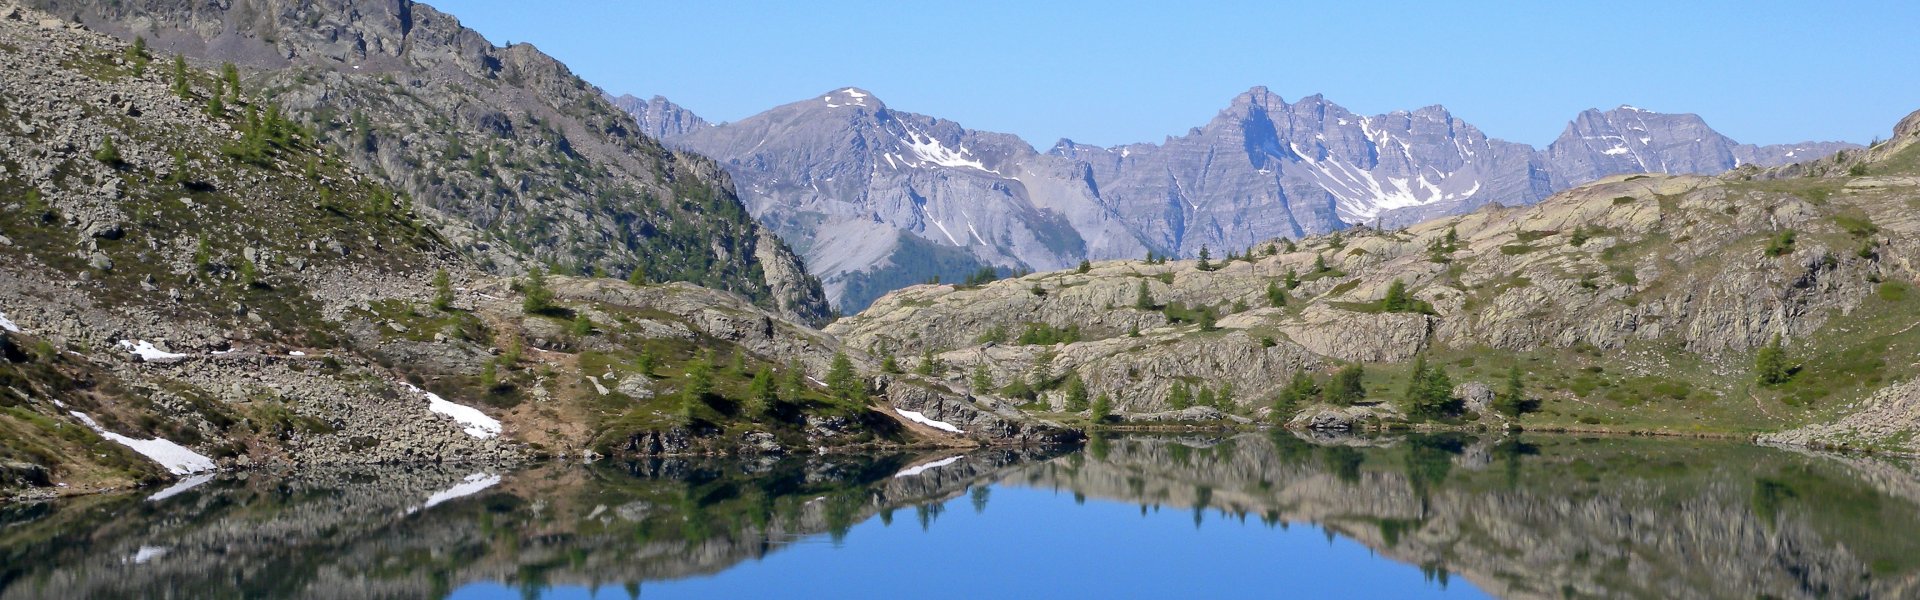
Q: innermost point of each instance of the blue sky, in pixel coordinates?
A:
(1118, 72)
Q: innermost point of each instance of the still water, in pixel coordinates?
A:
(1255, 515)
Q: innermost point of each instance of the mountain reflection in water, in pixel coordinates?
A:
(1256, 514)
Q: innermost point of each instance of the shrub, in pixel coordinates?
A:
(107, 154)
(1781, 244)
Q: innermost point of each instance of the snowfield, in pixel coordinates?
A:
(922, 419)
(478, 423)
(177, 459)
(146, 351)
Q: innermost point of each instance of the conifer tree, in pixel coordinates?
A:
(538, 298)
(699, 380)
(1396, 299)
(442, 291)
(1144, 299)
(982, 380)
(181, 87)
(761, 398)
(1276, 297)
(1770, 363)
(843, 381)
(1346, 387)
(1512, 399)
(1102, 409)
(1076, 393)
(794, 384)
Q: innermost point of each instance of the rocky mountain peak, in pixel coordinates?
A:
(852, 97)
(1260, 168)
(658, 117)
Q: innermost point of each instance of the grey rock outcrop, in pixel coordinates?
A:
(879, 198)
(517, 159)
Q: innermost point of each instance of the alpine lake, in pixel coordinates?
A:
(1267, 514)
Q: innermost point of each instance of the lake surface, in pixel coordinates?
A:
(1254, 515)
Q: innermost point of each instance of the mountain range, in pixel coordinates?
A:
(877, 198)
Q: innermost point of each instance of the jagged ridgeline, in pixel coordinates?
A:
(517, 159)
(1755, 301)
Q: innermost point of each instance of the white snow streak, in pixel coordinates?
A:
(918, 469)
(478, 423)
(175, 458)
(9, 326)
(943, 229)
(922, 419)
(183, 485)
(931, 150)
(147, 553)
(147, 352)
(472, 485)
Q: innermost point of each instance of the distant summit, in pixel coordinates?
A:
(878, 198)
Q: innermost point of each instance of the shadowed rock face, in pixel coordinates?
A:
(1532, 517)
(521, 161)
(877, 198)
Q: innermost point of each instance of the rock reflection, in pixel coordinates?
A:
(1526, 517)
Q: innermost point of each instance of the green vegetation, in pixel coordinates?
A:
(981, 379)
(1429, 391)
(1043, 334)
(1780, 244)
(442, 291)
(843, 382)
(107, 154)
(537, 297)
(1102, 409)
(1144, 299)
(1770, 364)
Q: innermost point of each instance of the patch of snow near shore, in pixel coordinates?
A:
(922, 419)
(9, 326)
(472, 485)
(146, 351)
(177, 459)
(478, 423)
(916, 470)
(147, 553)
(183, 485)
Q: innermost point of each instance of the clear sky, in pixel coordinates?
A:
(1118, 72)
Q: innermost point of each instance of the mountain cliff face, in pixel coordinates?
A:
(659, 118)
(877, 198)
(519, 160)
(1615, 297)
(189, 285)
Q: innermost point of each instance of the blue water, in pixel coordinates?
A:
(1036, 542)
(1419, 516)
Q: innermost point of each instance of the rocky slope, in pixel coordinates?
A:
(1636, 301)
(519, 161)
(186, 286)
(878, 198)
